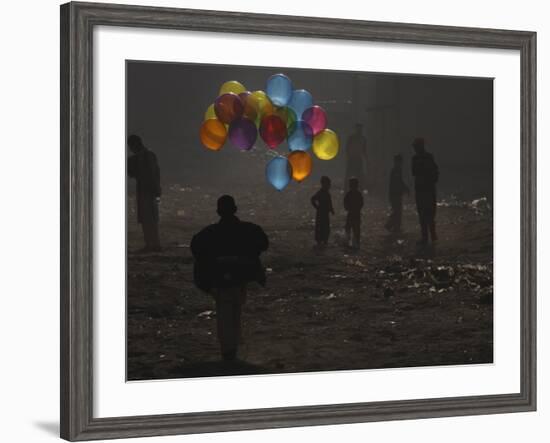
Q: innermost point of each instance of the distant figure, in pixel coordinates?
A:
(426, 175)
(143, 166)
(227, 257)
(322, 202)
(353, 203)
(356, 156)
(397, 189)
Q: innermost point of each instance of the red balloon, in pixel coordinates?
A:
(228, 107)
(273, 130)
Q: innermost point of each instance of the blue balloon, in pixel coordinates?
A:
(300, 101)
(278, 172)
(279, 89)
(300, 136)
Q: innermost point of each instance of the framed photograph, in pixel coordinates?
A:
(272, 221)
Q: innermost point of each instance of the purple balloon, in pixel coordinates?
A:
(243, 133)
(316, 118)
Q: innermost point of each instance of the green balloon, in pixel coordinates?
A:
(286, 114)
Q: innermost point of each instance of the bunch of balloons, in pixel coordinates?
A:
(278, 114)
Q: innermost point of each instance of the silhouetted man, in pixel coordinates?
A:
(426, 175)
(143, 166)
(227, 257)
(353, 203)
(356, 156)
(396, 190)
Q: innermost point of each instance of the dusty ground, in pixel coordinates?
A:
(389, 305)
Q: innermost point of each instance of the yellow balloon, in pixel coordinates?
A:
(232, 86)
(213, 134)
(326, 145)
(250, 104)
(263, 104)
(210, 113)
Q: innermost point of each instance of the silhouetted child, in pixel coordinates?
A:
(322, 202)
(353, 203)
(396, 191)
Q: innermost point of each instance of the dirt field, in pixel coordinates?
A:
(389, 305)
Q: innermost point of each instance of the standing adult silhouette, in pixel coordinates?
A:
(227, 258)
(353, 204)
(426, 174)
(143, 167)
(356, 157)
(396, 190)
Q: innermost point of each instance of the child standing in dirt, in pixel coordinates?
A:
(353, 203)
(322, 202)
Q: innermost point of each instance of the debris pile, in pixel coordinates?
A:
(480, 206)
(427, 277)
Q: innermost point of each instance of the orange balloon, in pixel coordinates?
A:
(213, 134)
(301, 165)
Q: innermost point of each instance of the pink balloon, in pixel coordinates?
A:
(315, 117)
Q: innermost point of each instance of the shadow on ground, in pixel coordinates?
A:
(218, 368)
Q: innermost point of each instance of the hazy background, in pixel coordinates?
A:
(166, 103)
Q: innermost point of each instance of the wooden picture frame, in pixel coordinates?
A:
(77, 23)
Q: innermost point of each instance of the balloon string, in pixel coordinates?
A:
(268, 152)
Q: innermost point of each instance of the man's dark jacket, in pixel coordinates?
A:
(425, 172)
(227, 254)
